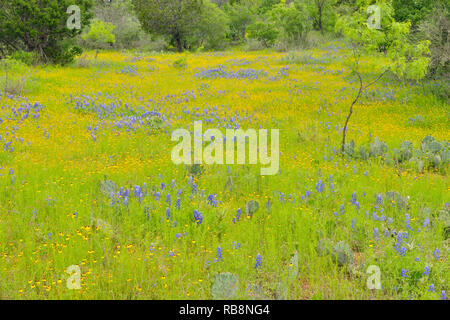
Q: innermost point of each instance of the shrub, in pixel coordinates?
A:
(28, 58)
(241, 14)
(10, 83)
(413, 11)
(127, 31)
(212, 28)
(264, 31)
(182, 18)
(291, 19)
(100, 35)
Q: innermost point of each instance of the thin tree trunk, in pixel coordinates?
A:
(179, 43)
(348, 119)
(361, 89)
(320, 20)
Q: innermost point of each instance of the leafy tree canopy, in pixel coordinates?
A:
(41, 26)
(172, 18)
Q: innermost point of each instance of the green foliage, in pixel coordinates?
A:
(127, 31)
(283, 22)
(291, 19)
(266, 5)
(349, 149)
(436, 28)
(28, 58)
(188, 24)
(175, 19)
(413, 11)
(41, 27)
(241, 15)
(406, 59)
(211, 30)
(100, 35)
(224, 286)
(375, 149)
(322, 13)
(264, 31)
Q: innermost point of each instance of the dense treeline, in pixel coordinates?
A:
(32, 30)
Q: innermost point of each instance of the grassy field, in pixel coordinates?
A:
(86, 179)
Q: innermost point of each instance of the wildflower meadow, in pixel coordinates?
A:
(93, 205)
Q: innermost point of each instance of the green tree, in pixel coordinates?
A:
(100, 35)
(41, 27)
(292, 20)
(285, 22)
(266, 5)
(414, 11)
(212, 28)
(241, 15)
(264, 31)
(175, 19)
(405, 59)
(322, 13)
(120, 13)
(436, 28)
